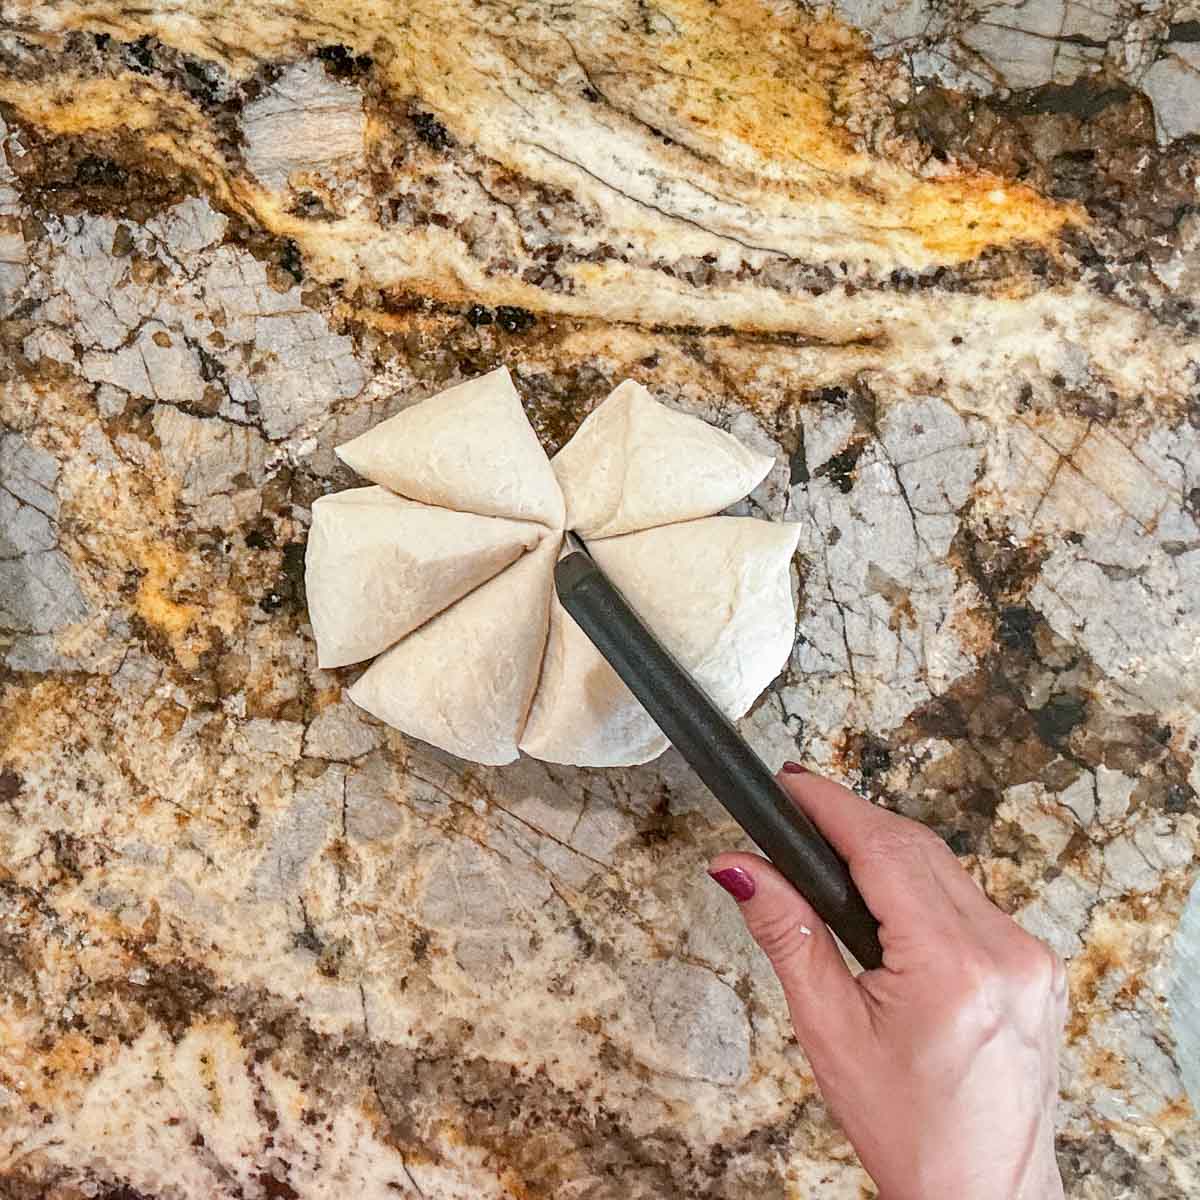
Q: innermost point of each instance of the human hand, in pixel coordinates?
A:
(941, 1065)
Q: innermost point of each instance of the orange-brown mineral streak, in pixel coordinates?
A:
(754, 85)
(770, 81)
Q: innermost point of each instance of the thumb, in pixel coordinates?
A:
(823, 998)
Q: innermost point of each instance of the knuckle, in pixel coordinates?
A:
(976, 972)
(1038, 969)
(902, 840)
(780, 935)
(1026, 978)
(1062, 990)
(974, 995)
(1032, 973)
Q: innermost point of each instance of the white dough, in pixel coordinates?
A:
(582, 714)
(470, 448)
(464, 681)
(635, 463)
(378, 566)
(446, 570)
(716, 592)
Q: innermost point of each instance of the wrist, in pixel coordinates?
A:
(1037, 1178)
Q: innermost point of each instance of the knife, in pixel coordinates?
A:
(715, 750)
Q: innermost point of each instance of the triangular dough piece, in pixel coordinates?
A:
(635, 463)
(378, 565)
(716, 592)
(583, 715)
(464, 681)
(470, 448)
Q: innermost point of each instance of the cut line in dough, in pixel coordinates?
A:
(634, 464)
(715, 591)
(378, 566)
(465, 680)
(444, 569)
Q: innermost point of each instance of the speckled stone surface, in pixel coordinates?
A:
(254, 944)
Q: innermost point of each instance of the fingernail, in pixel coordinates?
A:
(794, 768)
(738, 883)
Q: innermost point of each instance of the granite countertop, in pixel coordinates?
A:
(946, 269)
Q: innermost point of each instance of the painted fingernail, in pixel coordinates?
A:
(794, 768)
(738, 883)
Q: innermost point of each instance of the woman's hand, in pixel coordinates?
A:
(941, 1065)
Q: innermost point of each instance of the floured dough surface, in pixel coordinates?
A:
(379, 565)
(445, 569)
(716, 592)
(465, 680)
(583, 715)
(634, 464)
(470, 448)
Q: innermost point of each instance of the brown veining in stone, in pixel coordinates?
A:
(252, 942)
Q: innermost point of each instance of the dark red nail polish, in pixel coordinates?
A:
(794, 768)
(738, 883)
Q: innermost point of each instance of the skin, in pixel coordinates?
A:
(941, 1065)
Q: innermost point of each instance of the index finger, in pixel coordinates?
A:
(903, 869)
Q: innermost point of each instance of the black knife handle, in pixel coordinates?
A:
(717, 753)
